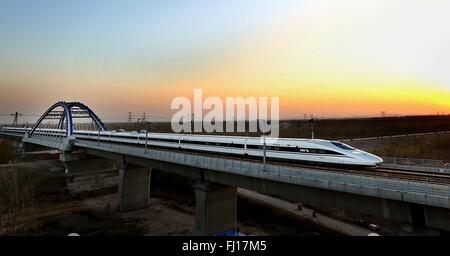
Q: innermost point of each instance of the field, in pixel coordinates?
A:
(424, 147)
(331, 128)
(34, 201)
(324, 128)
(368, 127)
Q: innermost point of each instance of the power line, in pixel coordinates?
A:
(21, 114)
(15, 117)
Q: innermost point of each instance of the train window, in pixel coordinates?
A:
(215, 143)
(342, 145)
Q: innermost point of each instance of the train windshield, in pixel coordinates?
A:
(342, 145)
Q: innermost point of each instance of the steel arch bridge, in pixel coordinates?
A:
(63, 118)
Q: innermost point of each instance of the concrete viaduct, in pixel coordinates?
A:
(217, 178)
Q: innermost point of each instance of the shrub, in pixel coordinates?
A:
(17, 195)
(7, 152)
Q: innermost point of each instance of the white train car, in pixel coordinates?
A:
(283, 149)
(314, 151)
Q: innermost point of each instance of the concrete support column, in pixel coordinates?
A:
(134, 187)
(215, 208)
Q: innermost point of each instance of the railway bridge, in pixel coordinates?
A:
(414, 198)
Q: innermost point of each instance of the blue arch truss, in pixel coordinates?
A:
(67, 116)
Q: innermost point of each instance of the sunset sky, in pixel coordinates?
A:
(328, 58)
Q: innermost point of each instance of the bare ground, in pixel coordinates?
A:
(99, 216)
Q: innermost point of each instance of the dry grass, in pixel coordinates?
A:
(430, 147)
(7, 151)
(331, 128)
(19, 189)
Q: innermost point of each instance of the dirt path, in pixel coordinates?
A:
(307, 214)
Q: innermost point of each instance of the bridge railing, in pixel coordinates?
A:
(421, 165)
(51, 135)
(414, 162)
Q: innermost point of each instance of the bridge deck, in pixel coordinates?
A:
(400, 190)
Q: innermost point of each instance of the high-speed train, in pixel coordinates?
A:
(315, 151)
(282, 149)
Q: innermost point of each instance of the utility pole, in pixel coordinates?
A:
(193, 122)
(129, 117)
(264, 151)
(147, 126)
(142, 119)
(312, 121)
(264, 146)
(146, 135)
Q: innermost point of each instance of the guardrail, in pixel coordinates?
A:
(414, 162)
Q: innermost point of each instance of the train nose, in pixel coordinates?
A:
(375, 159)
(369, 158)
(378, 160)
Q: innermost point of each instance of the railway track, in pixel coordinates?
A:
(406, 175)
(435, 178)
(418, 176)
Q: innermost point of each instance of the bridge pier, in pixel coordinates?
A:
(437, 217)
(215, 208)
(134, 187)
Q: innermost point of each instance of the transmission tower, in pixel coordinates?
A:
(16, 118)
